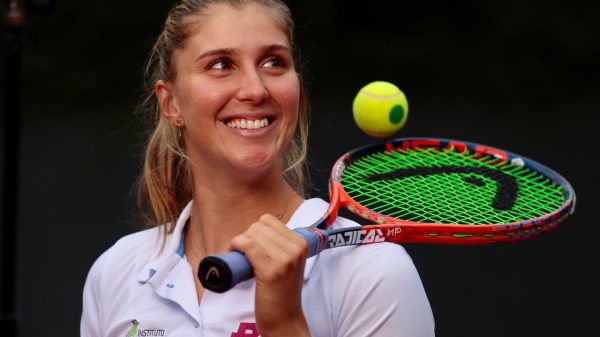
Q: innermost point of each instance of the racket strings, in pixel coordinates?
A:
(429, 185)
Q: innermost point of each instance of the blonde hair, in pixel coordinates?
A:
(165, 184)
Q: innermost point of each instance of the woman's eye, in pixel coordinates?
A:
(274, 62)
(219, 65)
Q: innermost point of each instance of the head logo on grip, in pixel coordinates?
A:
(213, 272)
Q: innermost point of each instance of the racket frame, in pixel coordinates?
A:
(437, 233)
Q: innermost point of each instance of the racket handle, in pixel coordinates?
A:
(222, 272)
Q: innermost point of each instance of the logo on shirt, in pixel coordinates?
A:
(133, 328)
(246, 330)
(136, 331)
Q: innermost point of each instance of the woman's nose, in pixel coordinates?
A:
(252, 87)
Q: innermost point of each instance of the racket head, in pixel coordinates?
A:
(450, 191)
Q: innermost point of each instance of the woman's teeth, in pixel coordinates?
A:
(248, 123)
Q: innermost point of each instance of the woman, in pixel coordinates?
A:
(231, 136)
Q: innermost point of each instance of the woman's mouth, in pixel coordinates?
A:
(249, 124)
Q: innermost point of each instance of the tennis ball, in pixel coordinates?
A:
(380, 109)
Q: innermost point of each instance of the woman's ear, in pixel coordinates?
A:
(168, 103)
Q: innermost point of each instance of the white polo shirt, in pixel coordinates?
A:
(135, 289)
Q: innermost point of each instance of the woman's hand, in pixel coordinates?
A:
(277, 256)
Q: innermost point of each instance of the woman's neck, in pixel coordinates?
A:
(224, 208)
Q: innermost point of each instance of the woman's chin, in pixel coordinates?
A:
(256, 162)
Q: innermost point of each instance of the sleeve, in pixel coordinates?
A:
(91, 315)
(379, 293)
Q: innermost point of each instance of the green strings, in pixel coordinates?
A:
(446, 186)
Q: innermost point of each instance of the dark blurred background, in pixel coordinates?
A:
(523, 75)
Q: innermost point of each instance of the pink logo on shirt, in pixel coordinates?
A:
(246, 330)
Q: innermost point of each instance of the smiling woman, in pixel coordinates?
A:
(237, 67)
(224, 171)
(213, 62)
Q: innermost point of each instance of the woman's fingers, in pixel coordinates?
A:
(272, 249)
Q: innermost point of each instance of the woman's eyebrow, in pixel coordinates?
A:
(275, 47)
(220, 51)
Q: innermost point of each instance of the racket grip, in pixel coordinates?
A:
(222, 272)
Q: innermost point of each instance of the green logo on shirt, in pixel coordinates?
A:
(136, 331)
(133, 328)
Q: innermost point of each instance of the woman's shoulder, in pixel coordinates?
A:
(386, 260)
(127, 254)
(378, 283)
(138, 245)
(381, 259)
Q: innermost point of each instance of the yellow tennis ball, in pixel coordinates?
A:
(380, 109)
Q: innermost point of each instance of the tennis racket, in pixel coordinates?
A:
(424, 190)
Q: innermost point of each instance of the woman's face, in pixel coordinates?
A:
(236, 92)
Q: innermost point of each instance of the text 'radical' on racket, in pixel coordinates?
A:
(425, 190)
